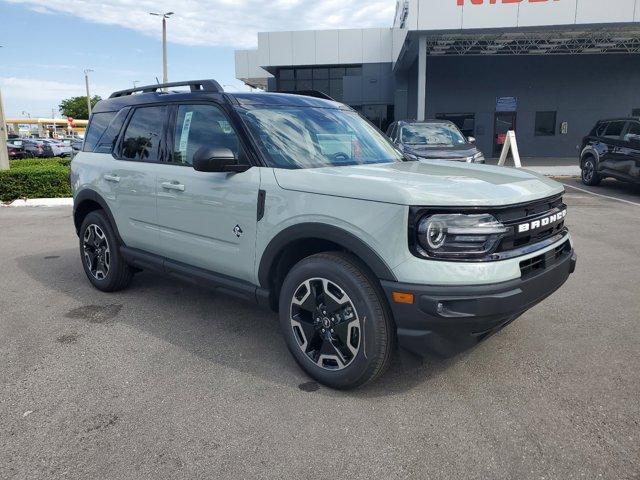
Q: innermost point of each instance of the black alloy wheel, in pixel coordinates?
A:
(325, 323)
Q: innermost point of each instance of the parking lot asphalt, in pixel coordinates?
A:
(168, 380)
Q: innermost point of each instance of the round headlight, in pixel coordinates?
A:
(436, 234)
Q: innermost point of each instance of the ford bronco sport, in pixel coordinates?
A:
(301, 205)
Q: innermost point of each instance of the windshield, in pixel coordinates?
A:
(310, 137)
(432, 134)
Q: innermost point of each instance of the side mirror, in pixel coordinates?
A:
(217, 160)
(471, 139)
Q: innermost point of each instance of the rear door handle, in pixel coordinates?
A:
(111, 178)
(173, 186)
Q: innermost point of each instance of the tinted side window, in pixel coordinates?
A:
(108, 140)
(143, 136)
(633, 134)
(98, 124)
(614, 130)
(199, 126)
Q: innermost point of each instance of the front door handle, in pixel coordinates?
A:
(111, 178)
(173, 186)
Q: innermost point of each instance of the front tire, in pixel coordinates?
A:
(590, 174)
(100, 253)
(335, 322)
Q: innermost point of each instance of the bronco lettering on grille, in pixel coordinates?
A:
(542, 222)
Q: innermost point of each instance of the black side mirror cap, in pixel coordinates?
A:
(217, 160)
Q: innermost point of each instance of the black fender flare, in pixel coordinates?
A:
(92, 195)
(322, 231)
(589, 151)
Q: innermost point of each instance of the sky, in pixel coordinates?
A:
(47, 44)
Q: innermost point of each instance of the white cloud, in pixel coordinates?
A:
(231, 23)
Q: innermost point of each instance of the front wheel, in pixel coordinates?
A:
(590, 174)
(334, 321)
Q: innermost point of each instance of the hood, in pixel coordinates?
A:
(439, 151)
(424, 183)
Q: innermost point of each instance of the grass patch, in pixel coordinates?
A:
(36, 178)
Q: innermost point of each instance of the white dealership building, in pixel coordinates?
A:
(546, 68)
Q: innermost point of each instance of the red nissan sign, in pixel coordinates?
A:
(493, 2)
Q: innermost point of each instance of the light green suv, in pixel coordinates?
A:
(301, 205)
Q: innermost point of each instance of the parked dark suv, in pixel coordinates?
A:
(612, 149)
(434, 140)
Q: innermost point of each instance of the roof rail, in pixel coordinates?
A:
(310, 93)
(196, 86)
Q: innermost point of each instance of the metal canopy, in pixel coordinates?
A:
(546, 42)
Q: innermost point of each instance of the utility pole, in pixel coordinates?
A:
(4, 154)
(86, 82)
(165, 68)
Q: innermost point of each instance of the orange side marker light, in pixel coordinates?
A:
(402, 297)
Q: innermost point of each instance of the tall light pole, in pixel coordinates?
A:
(165, 73)
(4, 153)
(86, 83)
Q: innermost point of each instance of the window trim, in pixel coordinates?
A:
(555, 124)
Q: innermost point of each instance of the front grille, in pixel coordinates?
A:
(528, 213)
(532, 265)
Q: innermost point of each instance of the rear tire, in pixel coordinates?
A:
(103, 263)
(590, 175)
(335, 322)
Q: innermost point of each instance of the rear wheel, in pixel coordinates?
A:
(590, 174)
(334, 321)
(100, 252)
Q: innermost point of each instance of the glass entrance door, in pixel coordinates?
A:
(504, 121)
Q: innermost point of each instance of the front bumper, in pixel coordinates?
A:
(448, 319)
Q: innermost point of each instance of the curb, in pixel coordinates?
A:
(555, 170)
(41, 202)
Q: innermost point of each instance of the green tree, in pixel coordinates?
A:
(76, 107)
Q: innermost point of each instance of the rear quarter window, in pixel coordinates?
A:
(97, 126)
(107, 141)
(614, 130)
(600, 128)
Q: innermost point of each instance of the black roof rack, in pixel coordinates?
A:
(195, 85)
(311, 93)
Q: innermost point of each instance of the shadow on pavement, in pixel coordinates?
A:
(219, 328)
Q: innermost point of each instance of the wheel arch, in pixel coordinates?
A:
(88, 201)
(589, 152)
(300, 241)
